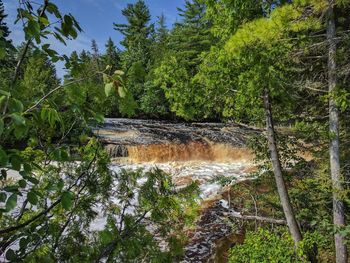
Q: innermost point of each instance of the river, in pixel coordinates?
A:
(214, 155)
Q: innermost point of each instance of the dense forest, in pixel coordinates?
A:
(282, 67)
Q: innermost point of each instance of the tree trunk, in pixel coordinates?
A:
(338, 205)
(277, 170)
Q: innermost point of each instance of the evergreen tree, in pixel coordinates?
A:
(162, 32)
(153, 102)
(137, 41)
(73, 65)
(112, 56)
(192, 36)
(7, 51)
(137, 31)
(4, 30)
(94, 48)
(39, 77)
(189, 39)
(95, 55)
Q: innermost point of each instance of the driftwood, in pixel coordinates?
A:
(258, 218)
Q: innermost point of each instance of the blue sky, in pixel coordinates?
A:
(96, 17)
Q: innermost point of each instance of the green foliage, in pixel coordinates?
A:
(137, 42)
(213, 64)
(265, 246)
(58, 178)
(159, 206)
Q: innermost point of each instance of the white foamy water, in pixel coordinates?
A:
(203, 172)
(184, 173)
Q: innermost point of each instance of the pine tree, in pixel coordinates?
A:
(73, 66)
(94, 48)
(153, 102)
(112, 57)
(39, 77)
(162, 32)
(5, 32)
(192, 36)
(137, 28)
(6, 48)
(189, 39)
(95, 55)
(137, 42)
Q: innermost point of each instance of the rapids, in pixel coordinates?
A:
(189, 152)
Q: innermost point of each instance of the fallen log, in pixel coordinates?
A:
(235, 214)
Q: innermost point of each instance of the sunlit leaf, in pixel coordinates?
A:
(121, 92)
(109, 89)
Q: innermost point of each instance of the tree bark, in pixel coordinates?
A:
(277, 170)
(338, 205)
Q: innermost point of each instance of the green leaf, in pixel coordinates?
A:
(3, 197)
(3, 174)
(3, 158)
(2, 53)
(52, 9)
(33, 28)
(6, 93)
(3, 99)
(1, 126)
(11, 202)
(16, 162)
(66, 200)
(11, 255)
(121, 92)
(64, 155)
(109, 88)
(52, 53)
(23, 242)
(73, 33)
(32, 198)
(18, 119)
(44, 21)
(22, 183)
(31, 179)
(99, 117)
(60, 185)
(11, 188)
(20, 131)
(15, 106)
(27, 167)
(119, 72)
(59, 38)
(105, 78)
(68, 21)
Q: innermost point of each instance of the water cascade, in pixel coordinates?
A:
(189, 152)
